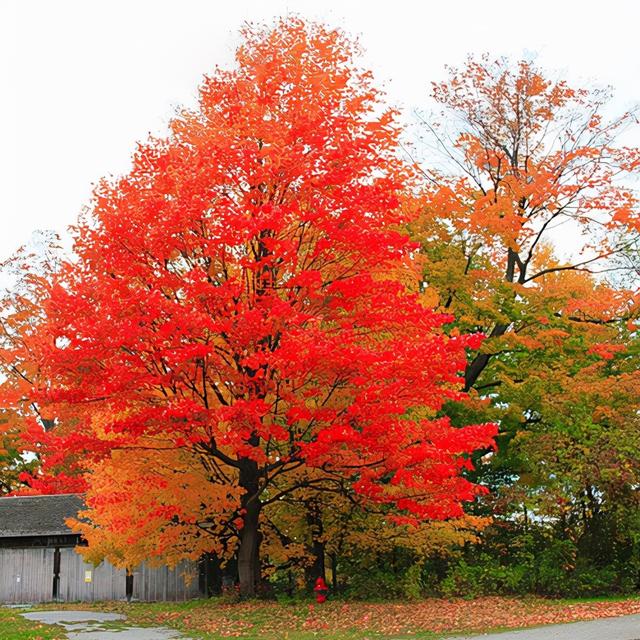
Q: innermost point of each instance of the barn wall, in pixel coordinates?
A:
(107, 582)
(162, 583)
(34, 568)
(26, 575)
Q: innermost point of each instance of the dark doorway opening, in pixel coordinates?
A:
(56, 573)
(129, 585)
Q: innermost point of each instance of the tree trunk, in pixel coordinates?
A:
(480, 362)
(249, 549)
(334, 572)
(209, 575)
(316, 529)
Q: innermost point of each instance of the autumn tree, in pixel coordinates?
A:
(176, 517)
(235, 301)
(531, 155)
(26, 276)
(351, 543)
(530, 234)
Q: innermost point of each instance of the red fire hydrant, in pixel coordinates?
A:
(321, 590)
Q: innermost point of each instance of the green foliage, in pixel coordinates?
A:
(374, 585)
(13, 465)
(400, 574)
(511, 561)
(512, 558)
(413, 586)
(484, 578)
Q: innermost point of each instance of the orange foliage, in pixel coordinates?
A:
(240, 297)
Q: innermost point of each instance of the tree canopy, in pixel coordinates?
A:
(243, 317)
(279, 341)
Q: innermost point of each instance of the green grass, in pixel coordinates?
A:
(14, 627)
(612, 598)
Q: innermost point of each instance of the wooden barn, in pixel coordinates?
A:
(38, 561)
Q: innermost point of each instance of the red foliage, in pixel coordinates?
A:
(237, 295)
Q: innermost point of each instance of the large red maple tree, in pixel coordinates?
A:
(244, 296)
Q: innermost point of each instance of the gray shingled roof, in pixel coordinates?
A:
(37, 515)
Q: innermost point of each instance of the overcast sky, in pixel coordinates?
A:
(82, 80)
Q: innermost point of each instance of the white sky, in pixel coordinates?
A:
(82, 80)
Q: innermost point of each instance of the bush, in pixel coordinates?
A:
(543, 566)
(375, 584)
(485, 577)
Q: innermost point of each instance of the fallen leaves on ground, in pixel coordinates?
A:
(270, 619)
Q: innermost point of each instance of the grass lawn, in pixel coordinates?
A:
(339, 620)
(14, 627)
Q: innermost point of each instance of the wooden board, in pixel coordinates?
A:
(26, 575)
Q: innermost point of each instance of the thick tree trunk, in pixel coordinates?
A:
(318, 568)
(249, 549)
(249, 554)
(314, 520)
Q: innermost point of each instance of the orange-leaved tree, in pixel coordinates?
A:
(235, 298)
(530, 234)
(536, 168)
(26, 275)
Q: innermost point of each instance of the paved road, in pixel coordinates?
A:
(94, 625)
(623, 628)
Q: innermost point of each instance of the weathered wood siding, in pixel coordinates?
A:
(162, 583)
(107, 582)
(26, 575)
